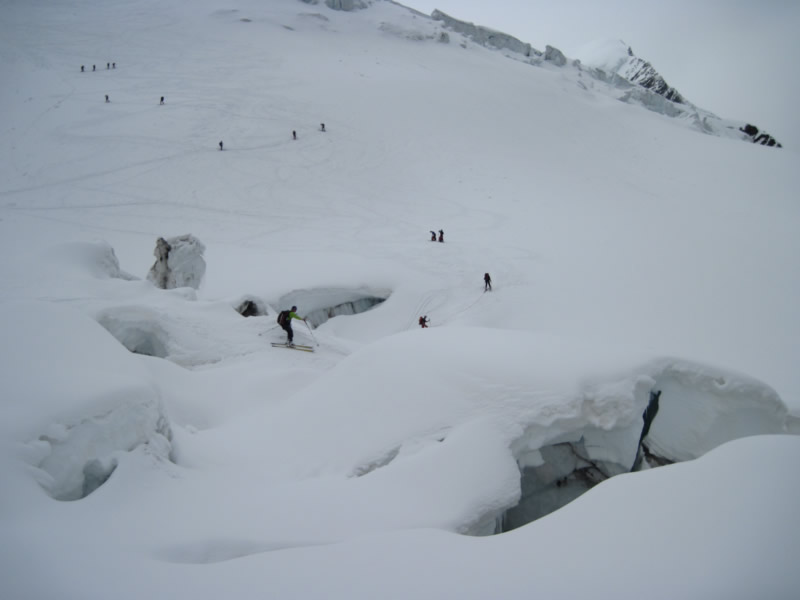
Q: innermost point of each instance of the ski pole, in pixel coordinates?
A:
(311, 332)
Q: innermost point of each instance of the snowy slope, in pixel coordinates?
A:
(614, 59)
(628, 254)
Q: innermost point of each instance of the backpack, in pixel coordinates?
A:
(283, 318)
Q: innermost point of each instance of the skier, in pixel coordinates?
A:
(94, 67)
(113, 65)
(294, 134)
(322, 126)
(441, 235)
(285, 321)
(487, 282)
(162, 99)
(220, 145)
(433, 236)
(107, 100)
(423, 321)
(108, 66)
(82, 71)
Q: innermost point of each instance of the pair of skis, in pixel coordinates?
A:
(293, 347)
(298, 346)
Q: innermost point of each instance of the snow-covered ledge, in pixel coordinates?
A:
(75, 402)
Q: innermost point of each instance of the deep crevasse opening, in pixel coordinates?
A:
(320, 304)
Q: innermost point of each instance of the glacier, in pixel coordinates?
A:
(154, 443)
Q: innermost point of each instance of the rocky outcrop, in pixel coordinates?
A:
(759, 137)
(619, 67)
(642, 73)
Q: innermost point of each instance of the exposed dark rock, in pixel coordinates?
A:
(762, 138)
(643, 73)
(766, 139)
(750, 130)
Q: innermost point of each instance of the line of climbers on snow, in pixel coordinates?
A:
(294, 131)
(285, 316)
(487, 287)
(110, 66)
(487, 280)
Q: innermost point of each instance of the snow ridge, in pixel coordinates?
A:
(485, 36)
(618, 66)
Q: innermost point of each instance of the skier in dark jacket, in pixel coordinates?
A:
(285, 321)
(487, 282)
(441, 235)
(433, 236)
(423, 321)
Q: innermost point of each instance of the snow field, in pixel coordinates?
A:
(627, 254)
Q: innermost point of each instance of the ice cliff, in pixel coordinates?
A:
(95, 404)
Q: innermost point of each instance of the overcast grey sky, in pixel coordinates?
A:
(736, 58)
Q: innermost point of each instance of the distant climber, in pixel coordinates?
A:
(108, 65)
(162, 100)
(487, 282)
(285, 321)
(423, 321)
(107, 100)
(113, 65)
(294, 134)
(94, 67)
(220, 145)
(322, 126)
(82, 71)
(441, 235)
(433, 236)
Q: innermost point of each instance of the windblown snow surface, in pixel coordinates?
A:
(155, 445)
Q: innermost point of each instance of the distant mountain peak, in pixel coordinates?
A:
(617, 58)
(613, 62)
